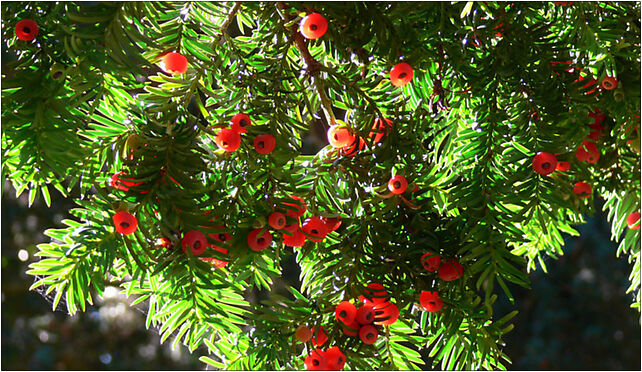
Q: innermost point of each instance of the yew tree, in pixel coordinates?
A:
(464, 139)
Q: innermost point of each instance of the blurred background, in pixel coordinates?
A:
(576, 318)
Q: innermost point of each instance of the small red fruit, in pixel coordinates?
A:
(633, 221)
(588, 152)
(379, 129)
(544, 163)
(196, 241)
(365, 314)
(264, 143)
(303, 334)
(386, 313)
(351, 329)
(430, 301)
(297, 239)
(582, 189)
(335, 358)
(368, 334)
(313, 26)
(320, 338)
(431, 261)
(354, 148)
(258, 241)
(346, 312)
(450, 270)
(331, 224)
(296, 210)
(276, 220)
(401, 74)
(315, 227)
(340, 136)
(397, 184)
(228, 139)
(240, 122)
(376, 292)
(163, 242)
(563, 166)
(316, 361)
(26, 29)
(609, 83)
(125, 222)
(119, 182)
(174, 63)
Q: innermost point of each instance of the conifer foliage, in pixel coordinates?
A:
(464, 139)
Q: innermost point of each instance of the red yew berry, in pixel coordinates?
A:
(397, 184)
(346, 312)
(588, 152)
(316, 361)
(320, 338)
(351, 329)
(125, 222)
(563, 166)
(379, 129)
(240, 122)
(376, 292)
(26, 29)
(430, 301)
(368, 334)
(264, 143)
(163, 242)
(303, 334)
(431, 261)
(315, 228)
(450, 270)
(313, 26)
(228, 139)
(609, 83)
(119, 182)
(297, 239)
(296, 210)
(633, 221)
(365, 314)
(386, 313)
(174, 63)
(196, 241)
(215, 261)
(544, 163)
(583, 190)
(258, 241)
(340, 137)
(335, 358)
(354, 148)
(331, 224)
(401, 74)
(221, 236)
(276, 220)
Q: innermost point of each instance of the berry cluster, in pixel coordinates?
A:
(448, 270)
(229, 139)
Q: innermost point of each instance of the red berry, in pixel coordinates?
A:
(276, 220)
(26, 29)
(163, 242)
(583, 189)
(119, 182)
(125, 222)
(258, 241)
(220, 236)
(196, 241)
(303, 334)
(335, 358)
(633, 221)
(431, 261)
(340, 136)
(296, 210)
(240, 122)
(228, 139)
(379, 129)
(297, 239)
(331, 224)
(430, 301)
(174, 63)
(401, 74)
(264, 143)
(351, 329)
(321, 338)
(544, 163)
(376, 292)
(588, 152)
(450, 270)
(397, 184)
(563, 166)
(368, 334)
(313, 26)
(353, 148)
(386, 313)
(365, 314)
(609, 83)
(315, 228)
(346, 312)
(316, 361)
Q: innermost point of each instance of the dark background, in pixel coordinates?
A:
(576, 317)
